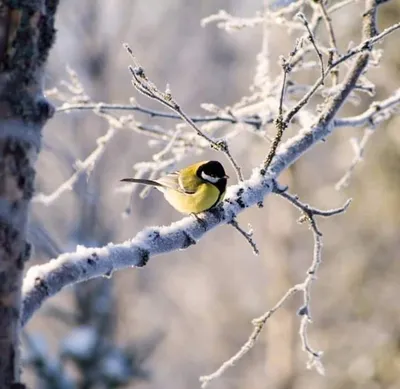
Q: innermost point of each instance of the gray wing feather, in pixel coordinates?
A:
(172, 181)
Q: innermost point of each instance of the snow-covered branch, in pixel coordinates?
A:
(377, 112)
(284, 102)
(43, 281)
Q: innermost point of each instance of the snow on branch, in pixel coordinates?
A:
(44, 281)
(378, 112)
(309, 214)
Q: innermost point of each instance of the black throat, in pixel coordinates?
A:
(221, 185)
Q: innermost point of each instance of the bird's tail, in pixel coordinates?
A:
(143, 182)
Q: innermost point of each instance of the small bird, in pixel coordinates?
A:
(193, 189)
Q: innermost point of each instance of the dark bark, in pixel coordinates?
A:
(26, 36)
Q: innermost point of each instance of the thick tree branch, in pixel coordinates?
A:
(46, 280)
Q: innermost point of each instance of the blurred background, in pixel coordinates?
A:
(183, 314)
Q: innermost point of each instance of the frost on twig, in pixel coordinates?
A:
(82, 168)
(358, 148)
(333, 51)
(285, 100)
(280, 124)
(312, 39)
(371, 118)
(308, 214)
(147, 88)
(248, 235)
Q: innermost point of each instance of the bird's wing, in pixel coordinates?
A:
(171, 181)
(174, 181)
(189, 183)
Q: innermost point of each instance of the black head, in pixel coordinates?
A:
(214, 173)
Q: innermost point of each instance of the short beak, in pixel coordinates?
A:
(226, 176)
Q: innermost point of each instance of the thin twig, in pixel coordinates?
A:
(248, 235)
(279, 123)
(365, 45)
(285, 70)
(309, 214)
(143, 85)
(250, 120)
(279, 120)
(82, 168)
(307, 209)
(158, 156)
(359, 148)
(332, 40)
(258, 324)
(281, 127)
(282, 122)
(304, 287)
(314, 357)
(312, 39)
(374, 115)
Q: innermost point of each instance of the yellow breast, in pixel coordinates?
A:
(205, 197)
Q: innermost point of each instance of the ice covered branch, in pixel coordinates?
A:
(377, 112)
(44, 281)
(309, 214)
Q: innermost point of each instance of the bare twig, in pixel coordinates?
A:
(248, 235)
(305, 287)
(359, 148)
(143, 85)
(314, 357)
(374, 115)
(332, 40)
(295, 56)
(82, 168)
(366, 45)
(158, 156)
(312, 39)
(254, 121)
(307, 209)
(309, 214)
(279, 123)
(258, 324)
(281, 127)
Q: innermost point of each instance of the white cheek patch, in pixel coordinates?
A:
(208, 178)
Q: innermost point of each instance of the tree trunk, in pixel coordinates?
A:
(26, 35)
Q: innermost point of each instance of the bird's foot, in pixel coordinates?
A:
(201, 221)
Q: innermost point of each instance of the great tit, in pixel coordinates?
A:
(193, 189)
